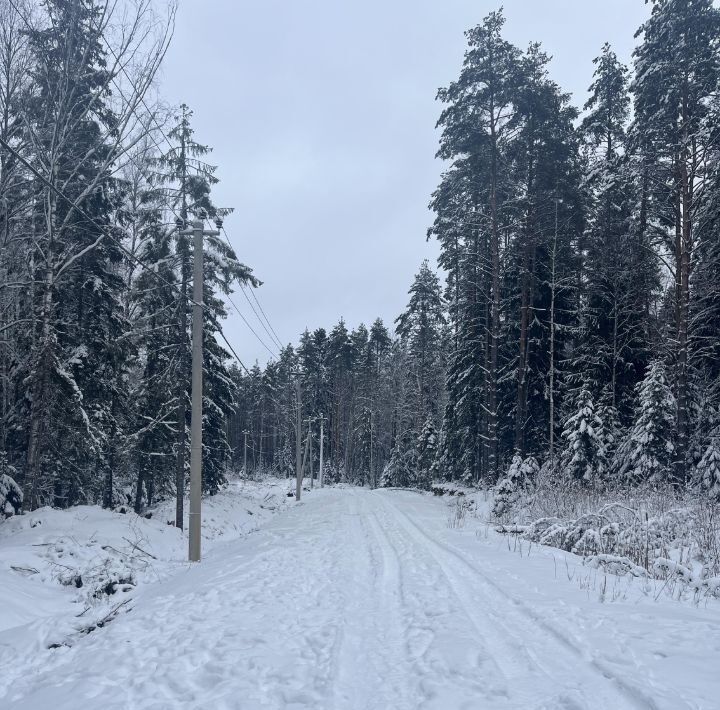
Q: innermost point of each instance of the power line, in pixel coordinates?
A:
(252, 330)
(127, 252)
(275, 339)
(170, 145)
(117, 242)
(252, 293)
(239, 312)
(272, 335)
(152, 117)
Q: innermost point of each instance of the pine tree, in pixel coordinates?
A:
(705, 316)
(608, 107)
(542, 265)
(463, 453)
(477, 124)
(614, 343)
(677, 70)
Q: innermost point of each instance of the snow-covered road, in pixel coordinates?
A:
(359, 599)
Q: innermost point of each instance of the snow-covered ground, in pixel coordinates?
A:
(352, 599)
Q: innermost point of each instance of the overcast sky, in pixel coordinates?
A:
(322, 118)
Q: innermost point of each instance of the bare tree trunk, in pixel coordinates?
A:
(551, 384)
(494, 331)
(683, 310)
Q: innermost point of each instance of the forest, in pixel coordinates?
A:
(572, 331)
(567, 339)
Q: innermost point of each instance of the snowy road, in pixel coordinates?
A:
(365, 600)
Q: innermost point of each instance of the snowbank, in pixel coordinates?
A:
(64, 573)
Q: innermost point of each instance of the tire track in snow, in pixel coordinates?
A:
(623, 690)
(390, 594)
(371, 669)
(504, 685)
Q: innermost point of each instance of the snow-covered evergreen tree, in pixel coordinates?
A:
(75, 373)
(647, 451)
(11, 497)
(420, 331)
(610, 435)
(677, 68)
(613, 348)
(154, 309)
(709, 468)
(427, 451)
(402, 468)
(520, 475)
(583, 455)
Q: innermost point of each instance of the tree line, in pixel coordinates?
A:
(578, 329)
(573, 329)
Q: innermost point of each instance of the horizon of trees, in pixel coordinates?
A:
(575, 332)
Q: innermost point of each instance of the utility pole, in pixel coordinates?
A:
(298, 460)
(197, 385)
(372, 474)
(320, 475)
(260, 444)
(245, 433)
(306, 453)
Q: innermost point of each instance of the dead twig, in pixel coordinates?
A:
(139, 549)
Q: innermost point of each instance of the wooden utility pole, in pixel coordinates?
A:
(298, 459)
(322, 440)
(197, 386)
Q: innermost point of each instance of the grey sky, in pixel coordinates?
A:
(321, 114)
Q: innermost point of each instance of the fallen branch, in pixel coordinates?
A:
(139, 549)
(30, 570)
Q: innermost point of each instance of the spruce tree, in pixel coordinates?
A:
(709, 469)
(583, 456)
(154, 308)
(75, 375)
(648, 450)
(420, 329)
(427, 452)
(520, 476)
